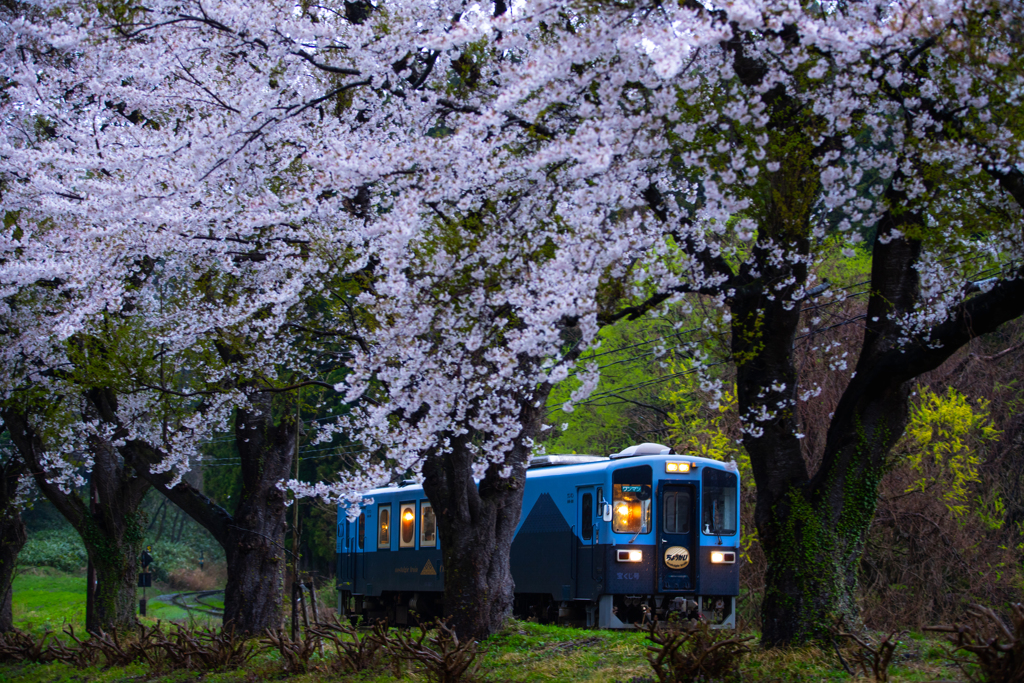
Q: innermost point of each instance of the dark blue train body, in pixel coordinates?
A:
(601, 541)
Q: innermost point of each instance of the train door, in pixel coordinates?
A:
(677, 551)
(345, 553)
(586, 541)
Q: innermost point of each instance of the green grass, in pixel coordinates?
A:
(47, 599)
(527, 652)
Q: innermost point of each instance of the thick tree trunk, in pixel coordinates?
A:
(813, 542)
(115, 557)
(255, 538)
(476, 525)
(112, 530)
(12, 538)
(252, 537)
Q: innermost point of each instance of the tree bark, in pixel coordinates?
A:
(253, 536)
(255, 540)
(476, 525)
(12, 537)
(113, 533)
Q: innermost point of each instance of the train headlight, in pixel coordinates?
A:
(631, 556)
(722, 557)
(677, 467)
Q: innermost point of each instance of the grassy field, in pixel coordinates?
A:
(46, 599)
(521, 652)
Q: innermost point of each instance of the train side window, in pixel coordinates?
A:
(428, 526)
(677, 512)
(384, 527)
(588, 516)
(718, 504)
(362, 529)
(407, 529)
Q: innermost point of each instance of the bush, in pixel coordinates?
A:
(208, 578)
(684, 652)
(57, 549)
(171, 559)
(994, 649)
(175, 563)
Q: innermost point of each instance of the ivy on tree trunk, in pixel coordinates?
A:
(111, 529)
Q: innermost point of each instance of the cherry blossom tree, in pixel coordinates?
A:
(497, 182)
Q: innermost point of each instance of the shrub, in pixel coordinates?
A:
(57, 549)
(872, 659)
(437, 649)
(208, 578)
(692, 651)
(996, 649)
(354, 653)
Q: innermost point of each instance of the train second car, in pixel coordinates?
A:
(602, 541)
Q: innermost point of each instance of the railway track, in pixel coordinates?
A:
(194, 601)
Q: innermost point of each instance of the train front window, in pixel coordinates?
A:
(718, 504)
(631, 500)
(629, 514)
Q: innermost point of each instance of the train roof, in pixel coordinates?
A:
(561, 465)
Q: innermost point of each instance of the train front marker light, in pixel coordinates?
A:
(630, 556)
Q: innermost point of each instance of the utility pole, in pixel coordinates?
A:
(295, 526)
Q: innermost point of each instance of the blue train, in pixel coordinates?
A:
(602, 541)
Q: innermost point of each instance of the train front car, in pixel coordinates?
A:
(602, 541)
(615, 541)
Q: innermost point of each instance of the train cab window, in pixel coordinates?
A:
(428, 526)
(362, 529)
(384, 527)
(677, 512)
(718, 507)
(631, 500)
(587, 505)
(407, 533)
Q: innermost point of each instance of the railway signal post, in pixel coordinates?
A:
(145, 577)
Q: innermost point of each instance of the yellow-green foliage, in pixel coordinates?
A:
(696, 427)
(942, 443)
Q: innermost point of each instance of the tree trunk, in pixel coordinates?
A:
(115, 557)
(112, 530)
(813, 544)
(476, 525)
(12, 538)
(252, 537)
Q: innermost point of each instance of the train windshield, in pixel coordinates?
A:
(631, 500)
(719, 503)
(630, 514)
